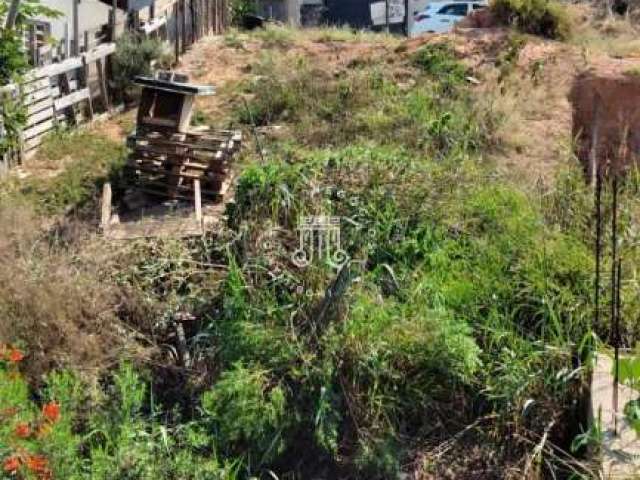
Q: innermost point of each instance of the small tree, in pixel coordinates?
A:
(240, 8)
(134, 56)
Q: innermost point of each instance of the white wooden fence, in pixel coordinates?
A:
(54, 96)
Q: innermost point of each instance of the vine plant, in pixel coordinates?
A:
(13, 65)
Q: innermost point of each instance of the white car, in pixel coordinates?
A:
(440, 17)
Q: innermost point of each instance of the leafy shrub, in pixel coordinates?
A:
(133, 56)
(13, 60)
(80, 433)
(248, 415)
(240, 8)
(547, 18)
(438, 60)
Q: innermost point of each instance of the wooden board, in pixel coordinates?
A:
(40, 116)
(55, 68)
(36, 85)
(71, 99)
(41, 95)
(44, 104)
(99, 52)
(154, 25)
(37, 130)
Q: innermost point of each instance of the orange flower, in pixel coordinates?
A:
(51, 411)
(22, 430)
(15, 355)
(11, 464)
(37, 464)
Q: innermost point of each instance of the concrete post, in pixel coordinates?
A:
(293, 12)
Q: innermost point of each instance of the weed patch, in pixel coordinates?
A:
(546, 18)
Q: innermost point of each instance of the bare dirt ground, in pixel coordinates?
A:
(536, 136)
(531, 89)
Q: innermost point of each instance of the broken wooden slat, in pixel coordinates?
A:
(153, 25)
(99, 52)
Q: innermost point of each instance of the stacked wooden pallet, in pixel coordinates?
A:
(174, 165)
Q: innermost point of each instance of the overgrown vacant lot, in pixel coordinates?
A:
(460, 347)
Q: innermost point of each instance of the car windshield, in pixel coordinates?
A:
(458, 9)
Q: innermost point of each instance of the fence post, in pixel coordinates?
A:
(76, 29)
(113, 19)
(176, 32)
(184, 24)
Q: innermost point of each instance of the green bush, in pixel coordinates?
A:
(248, 415)
(438, 60)
(547, 18)
(99, 434)
(133, 56)
(240, 8)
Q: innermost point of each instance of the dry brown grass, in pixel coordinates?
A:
(57, 308)
(599, 34)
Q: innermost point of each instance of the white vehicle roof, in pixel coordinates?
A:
(444, 2)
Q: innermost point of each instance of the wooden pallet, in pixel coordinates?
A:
(167, 164)
(162, 221)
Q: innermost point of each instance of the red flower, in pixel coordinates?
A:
(22, 430)
(37, 464)
(15, 355)
(11, 464)
(51, 411)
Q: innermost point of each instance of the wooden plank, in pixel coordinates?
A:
(161, 171)
(35, 85)
(159, 189)
(37, 96)
(197, 200)
(37, 130)
(71, 99)
(106, 206)
(36, 107)
(99, 52)
(172, 145)
(40, 117)
(104, 92)
(85, 82)
(176, 16)
(181, 161)
(154, 25)
(54, 69)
